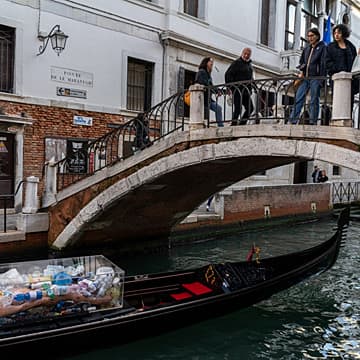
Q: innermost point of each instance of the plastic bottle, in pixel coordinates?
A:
(62, 278)
(28, 296)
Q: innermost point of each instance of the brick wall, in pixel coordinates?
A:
(51, 121)
(248, 204)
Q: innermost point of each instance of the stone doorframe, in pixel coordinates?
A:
(15, 125)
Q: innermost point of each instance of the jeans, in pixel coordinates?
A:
(314, 87)
(214, 106)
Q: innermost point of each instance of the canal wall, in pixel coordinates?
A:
(258, 207)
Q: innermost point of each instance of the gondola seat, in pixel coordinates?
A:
(197, 288)
(181, 296)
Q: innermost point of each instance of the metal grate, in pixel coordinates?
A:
(7, 51)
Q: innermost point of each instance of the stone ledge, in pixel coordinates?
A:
(12, 235)
(32, 223)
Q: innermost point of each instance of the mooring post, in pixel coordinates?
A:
(31, 203)
(50, 182)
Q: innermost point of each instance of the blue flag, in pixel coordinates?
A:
(327, 31)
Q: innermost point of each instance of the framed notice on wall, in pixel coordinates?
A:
(78, 157)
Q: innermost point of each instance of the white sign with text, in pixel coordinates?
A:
(82, 120)
(70, 76)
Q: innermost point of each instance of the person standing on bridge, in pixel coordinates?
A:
(312, 64)
(203, 77)
(340, 56)
(241, 70)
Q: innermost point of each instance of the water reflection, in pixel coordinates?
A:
(329, 312)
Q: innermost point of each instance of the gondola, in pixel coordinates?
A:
(69, 304)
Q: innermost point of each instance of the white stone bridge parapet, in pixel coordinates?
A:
(143, 196)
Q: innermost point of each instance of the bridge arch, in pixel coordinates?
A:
(154, 198)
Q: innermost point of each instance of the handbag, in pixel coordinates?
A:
(187, 97)
(297, 83)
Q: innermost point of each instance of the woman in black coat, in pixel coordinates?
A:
(203, 77)
(340, 56)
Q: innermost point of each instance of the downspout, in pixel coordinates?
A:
(164, 43)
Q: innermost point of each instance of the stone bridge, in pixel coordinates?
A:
(144, 196)
(137, 198)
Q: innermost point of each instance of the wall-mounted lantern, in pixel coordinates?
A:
(57, 38)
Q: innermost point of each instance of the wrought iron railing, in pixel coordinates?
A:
(137, 134)
(345, 192)
(6, 199)
(263, 100)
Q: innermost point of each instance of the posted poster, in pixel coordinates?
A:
(77, 153)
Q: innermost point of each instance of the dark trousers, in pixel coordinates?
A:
(242, 97)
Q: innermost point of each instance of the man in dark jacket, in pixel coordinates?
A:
(241, 70)
(312, 63)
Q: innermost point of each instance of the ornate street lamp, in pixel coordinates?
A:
(57, 38)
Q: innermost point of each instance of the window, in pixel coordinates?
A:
(308, 19)
(331, 8)
(268, 16)
(290, 26)
(7, 52)
(336, 170)
(139, 84)
(345, 14)
(191, 7)
(185, 79)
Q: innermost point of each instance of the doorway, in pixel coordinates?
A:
(185, 79)
(300, 172)
(7, 165)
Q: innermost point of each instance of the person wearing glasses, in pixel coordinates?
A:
(312, 64)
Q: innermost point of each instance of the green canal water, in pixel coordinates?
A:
(317, 319)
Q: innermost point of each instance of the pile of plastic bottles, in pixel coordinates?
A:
(57, 283)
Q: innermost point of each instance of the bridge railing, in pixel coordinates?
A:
(134, 135)
(345, 192)
(263, 101)
(270, 100)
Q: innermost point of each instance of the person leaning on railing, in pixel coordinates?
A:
(312, 64)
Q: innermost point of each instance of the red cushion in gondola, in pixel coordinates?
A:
(181, 296)
(197, 288)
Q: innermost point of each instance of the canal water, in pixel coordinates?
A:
(317, 319)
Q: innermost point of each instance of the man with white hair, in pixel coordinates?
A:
(241, 70)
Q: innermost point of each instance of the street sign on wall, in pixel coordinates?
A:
(62, 91)
(82, 120)
(70, 76)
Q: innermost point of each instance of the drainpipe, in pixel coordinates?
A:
(164, 44)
